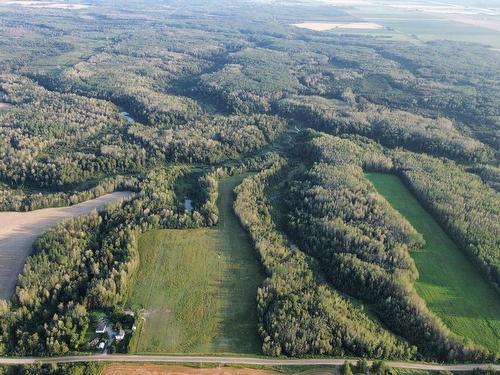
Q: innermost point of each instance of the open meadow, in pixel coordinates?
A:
(198, 287)
(452, 287)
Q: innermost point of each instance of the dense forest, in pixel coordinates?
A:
(125, 99)
(336, 215)
(299, 314)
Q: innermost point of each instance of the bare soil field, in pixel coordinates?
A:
(19, 230)
(148, 369)
(325, 26)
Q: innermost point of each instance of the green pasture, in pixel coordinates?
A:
(198, 288)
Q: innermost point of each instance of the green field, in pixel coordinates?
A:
(418, 26)
(453, 289)
(198, 287)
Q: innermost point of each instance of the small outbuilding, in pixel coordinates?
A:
(102, 344)
(101, 327)
(120, 335)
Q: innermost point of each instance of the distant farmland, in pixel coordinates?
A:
(198, 287)
(452, 287)
(18, 231)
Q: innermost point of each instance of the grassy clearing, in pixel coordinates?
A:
(418, 26)
(452, 287)
(198, 287)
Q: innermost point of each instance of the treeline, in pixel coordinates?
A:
(461, 202)
(18, 200)
(363, 244)
(133, 77)
(251, 80)
(393, 128)
(299, 314)
(85, 264)
(91, 368)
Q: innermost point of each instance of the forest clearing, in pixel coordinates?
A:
(198, 287)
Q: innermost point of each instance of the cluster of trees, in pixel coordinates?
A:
(92, 368)
(210, 139)
(441, 78)
(251, 80)
(461, 202)
(361, 367)
(59, 140)
(393, 128)
(298, 313)
(459, 199)
(74, 267)
(86, 263)
(336, 215)
(54, 140)
(489, 174)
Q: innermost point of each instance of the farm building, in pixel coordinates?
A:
(101, 327)
(120, 335)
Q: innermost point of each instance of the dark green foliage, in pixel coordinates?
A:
(298, 313)
(18, 200)
(489, 174)
(381, 368)
(361, 366)
(346, 369)
(393, 128)
(54, 140)
(362, 243)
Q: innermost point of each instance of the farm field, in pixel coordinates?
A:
(19, 230)
(148, 369)
(198, 287)
(158, 369)
(421, 23)
(324, 26)
(452, 287)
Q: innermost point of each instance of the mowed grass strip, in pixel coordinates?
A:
(198, 287)
(452, 287)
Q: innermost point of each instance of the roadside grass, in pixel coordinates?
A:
(452, 287)
(198, 287)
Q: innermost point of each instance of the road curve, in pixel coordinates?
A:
(230, 360)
